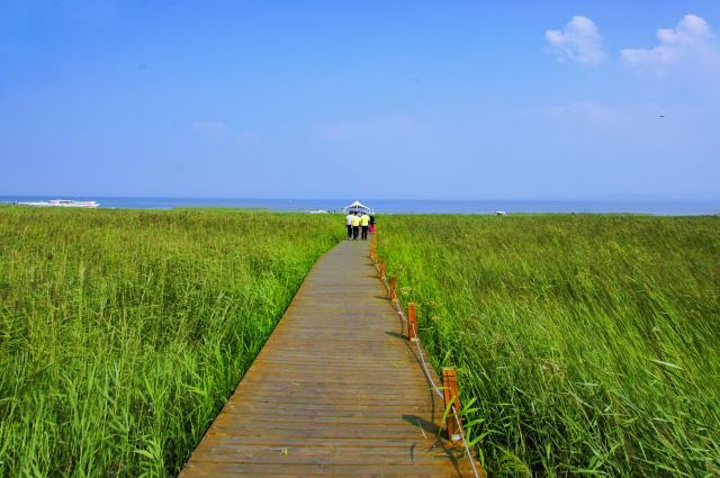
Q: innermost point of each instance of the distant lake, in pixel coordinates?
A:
(666, 208)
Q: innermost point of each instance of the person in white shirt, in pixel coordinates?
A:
(349, 222)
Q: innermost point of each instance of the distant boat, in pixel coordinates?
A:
(318, 211)
(500, 213)
(62, 203)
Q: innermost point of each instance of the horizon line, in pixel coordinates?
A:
(347, 198)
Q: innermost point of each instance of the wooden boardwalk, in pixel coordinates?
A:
(336, 391)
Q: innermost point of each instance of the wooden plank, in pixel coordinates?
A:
(336, 391)
(283, 471)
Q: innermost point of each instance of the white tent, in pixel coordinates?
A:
(357, 206)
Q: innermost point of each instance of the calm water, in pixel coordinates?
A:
(669, 208)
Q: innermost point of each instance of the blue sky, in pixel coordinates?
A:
(466, 100)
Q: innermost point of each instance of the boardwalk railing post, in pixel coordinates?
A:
(393, 288)
(412, 322)
(452, 396)
(382, 269)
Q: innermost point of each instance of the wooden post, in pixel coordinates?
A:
(451, 395)
(393, 288)
(382, 269)
(412, 322)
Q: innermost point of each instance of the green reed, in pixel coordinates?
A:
(122, 333)
(589, 343)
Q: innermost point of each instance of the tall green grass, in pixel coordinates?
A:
(590, 343)
(123, 333)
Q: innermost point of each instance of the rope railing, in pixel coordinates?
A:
(414, 337)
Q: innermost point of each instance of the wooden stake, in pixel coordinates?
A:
(382, 269)
(393, 288)
(412, 322)
(451, 395)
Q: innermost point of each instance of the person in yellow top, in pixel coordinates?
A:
(356, 226)
(364, 223)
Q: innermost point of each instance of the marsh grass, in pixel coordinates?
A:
(122, 333)
(586, 344)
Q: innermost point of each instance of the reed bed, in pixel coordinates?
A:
(585, 345)
(122, 333)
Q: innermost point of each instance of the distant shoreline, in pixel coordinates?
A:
(398, 206)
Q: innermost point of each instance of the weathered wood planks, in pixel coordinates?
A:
(336, 391)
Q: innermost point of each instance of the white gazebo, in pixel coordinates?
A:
(359, 207)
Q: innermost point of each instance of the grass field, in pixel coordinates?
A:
(589, 343)
(122, 333)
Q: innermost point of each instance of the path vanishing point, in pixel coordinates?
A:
(337, 390)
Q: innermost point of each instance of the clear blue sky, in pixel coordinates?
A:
(374, 99)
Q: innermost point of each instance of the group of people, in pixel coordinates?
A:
(358, 225)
